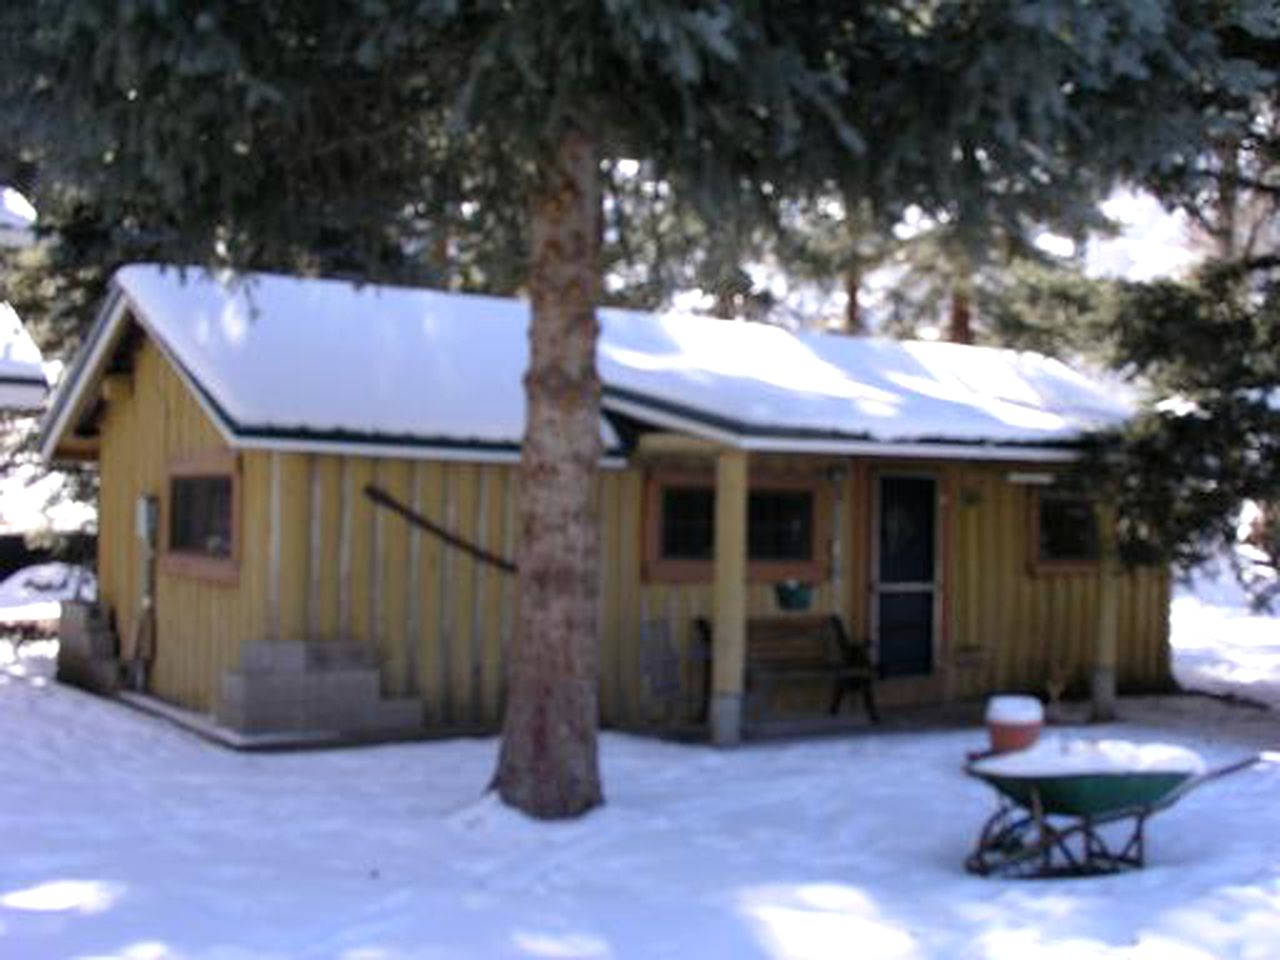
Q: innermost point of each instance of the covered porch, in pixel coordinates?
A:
(931, 565)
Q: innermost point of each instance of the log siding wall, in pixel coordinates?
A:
(322, 562)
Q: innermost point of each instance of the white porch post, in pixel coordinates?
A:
(728, 647)
(1107, 639)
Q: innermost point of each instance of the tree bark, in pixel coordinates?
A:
(960, 327)
(1228, 205)
(854, 324)
(548, 765)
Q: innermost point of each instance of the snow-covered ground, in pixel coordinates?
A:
(1220, 645)
(121, 836)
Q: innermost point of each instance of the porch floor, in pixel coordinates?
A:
(958, 715)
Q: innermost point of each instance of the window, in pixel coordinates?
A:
(1066, 530)
(202, 517)
(783, 517)
(780, 525)
(688, 523)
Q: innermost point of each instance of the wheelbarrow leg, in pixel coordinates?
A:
(1134, 852)
(1044, 831)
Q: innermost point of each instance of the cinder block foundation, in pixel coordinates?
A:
(302, 687)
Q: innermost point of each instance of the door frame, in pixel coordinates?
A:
(924, 687)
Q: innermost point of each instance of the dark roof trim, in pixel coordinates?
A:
(743, 430)
(304, 435)
(69, 389)
(266, 435)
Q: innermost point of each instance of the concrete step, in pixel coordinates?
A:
(347, 685)
(295, 655)
(302, 686)
(394, 716)
(339, 654)
(256, 717)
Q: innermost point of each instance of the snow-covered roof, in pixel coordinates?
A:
(17, 218)
(22, 381)
(765, 387)
(316, 364)
(35, 594)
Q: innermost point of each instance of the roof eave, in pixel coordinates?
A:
(58, 443)
(69, 401)
(85, 372)
(741, 437)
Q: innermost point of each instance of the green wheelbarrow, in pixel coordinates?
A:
(1075, 822)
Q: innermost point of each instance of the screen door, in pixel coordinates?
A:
(905, 586)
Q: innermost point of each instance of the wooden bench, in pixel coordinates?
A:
(801, 648)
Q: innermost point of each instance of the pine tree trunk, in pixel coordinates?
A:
(1225, 232)
(854, 324)
(960, 326)
(548, 764)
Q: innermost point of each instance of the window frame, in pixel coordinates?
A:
(202, 566)
(1040, 565)
(659, 569)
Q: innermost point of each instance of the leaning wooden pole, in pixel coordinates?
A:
(548, 765)
(1107, 640)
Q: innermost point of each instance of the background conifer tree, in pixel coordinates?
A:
(322, 135)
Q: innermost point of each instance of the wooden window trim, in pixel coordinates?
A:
(1039, 566)
(657, 569)
(198, 566)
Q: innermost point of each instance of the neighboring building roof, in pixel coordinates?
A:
(17, 218)
(34, 499)
(23, 385)
(296, 363)
(36, 593)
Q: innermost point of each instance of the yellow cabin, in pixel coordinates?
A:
(308, 497)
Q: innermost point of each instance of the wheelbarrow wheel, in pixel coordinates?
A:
(1011, 844)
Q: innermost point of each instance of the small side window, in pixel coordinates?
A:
(1066, 533)
(200, 516)
(201, 521)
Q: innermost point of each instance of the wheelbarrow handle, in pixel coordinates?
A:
(1236, 767)
(1215, 774)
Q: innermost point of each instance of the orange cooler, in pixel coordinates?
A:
(1013, 722)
